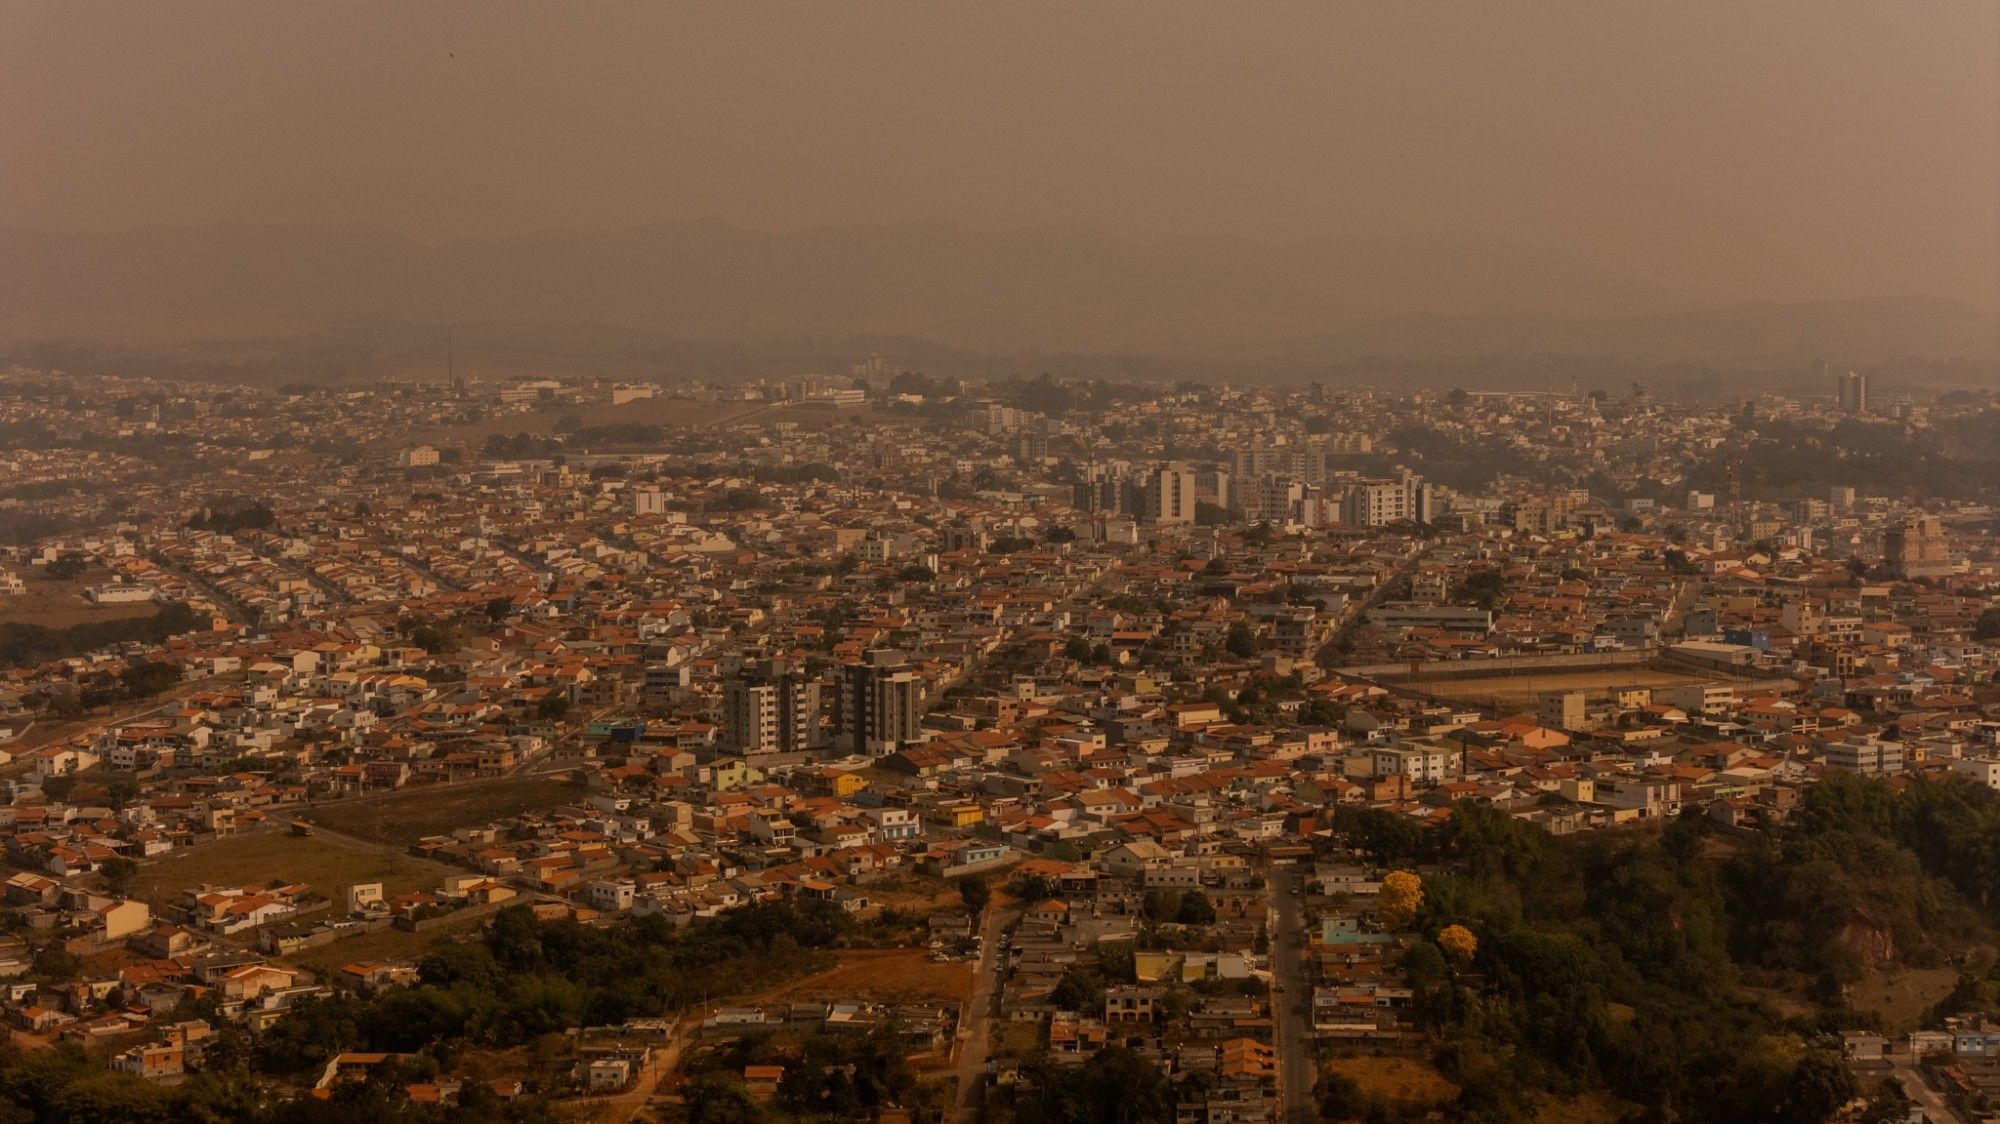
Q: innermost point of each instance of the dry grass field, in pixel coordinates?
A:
(60, 604)
(404, 817)
(1410, 1082)
(328, 865)
(1518, 692)
(893, 975)
(915, 893)
(384, 944)
(1901, 996)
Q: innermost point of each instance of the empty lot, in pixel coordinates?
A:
(1513, 692)
(885, 975)
(401, 818)
(385, 944)
(328, 865)
(60, 604)
(1411, 1082)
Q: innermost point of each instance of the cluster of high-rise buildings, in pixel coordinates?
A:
(1286, 486)
(775, 706)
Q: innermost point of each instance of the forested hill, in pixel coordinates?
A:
(1651, 965)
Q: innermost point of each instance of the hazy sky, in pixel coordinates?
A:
(1783, 148)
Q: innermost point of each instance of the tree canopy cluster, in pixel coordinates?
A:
(827, 1077)
(65, 1085)
(1635, 962)
(525, 978)
(229, 520)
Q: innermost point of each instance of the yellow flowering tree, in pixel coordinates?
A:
(1402, 896)
(1458, 943)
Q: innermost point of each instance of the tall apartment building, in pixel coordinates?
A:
(1315, 460)
(1215, 486)
(773, 707)
(1917, 548)
(1563, 710)
(1545, 514)
(881, 704)
(1277, 499)
(1853, 389)
(648, 501)
(1106, 489)
(1169, 495)
(1372, 503)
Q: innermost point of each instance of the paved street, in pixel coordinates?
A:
(1291, 999)
(976, 1027)
(1935, 1108)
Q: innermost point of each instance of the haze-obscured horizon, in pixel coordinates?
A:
(1197, 175)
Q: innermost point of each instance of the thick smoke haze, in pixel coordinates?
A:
(1720, 150)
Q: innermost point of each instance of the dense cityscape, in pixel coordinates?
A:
(885, 745)
(1293, 562)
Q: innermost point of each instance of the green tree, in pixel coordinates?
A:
(1817, 1088)
(1195, 909)
(1988, 625)
(1116, 1086)
(1320, 712)
(1081, 988)
(460, 962)
(975, 893)
(54, 962)
(312, 1031)
(715, 1098)
(1032, 888)
(1483, 588)
(1241, 640)
(118, 874)
(149, 677)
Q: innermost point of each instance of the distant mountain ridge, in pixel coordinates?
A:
(1040, 290)
(1859, 330)
(1046, 287)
